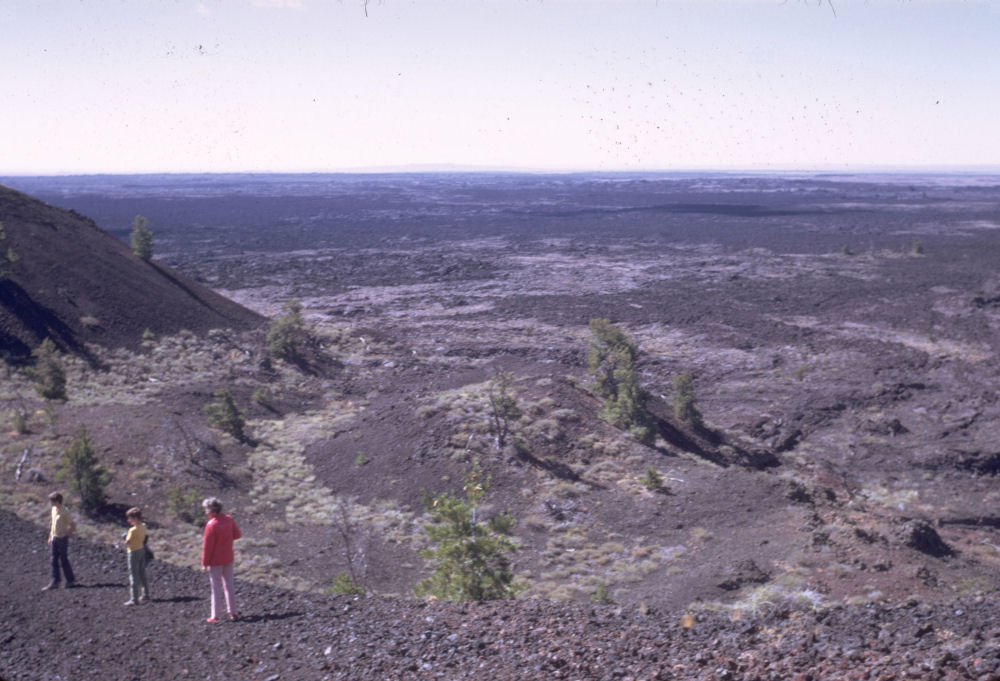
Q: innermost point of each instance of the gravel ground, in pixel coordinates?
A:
(85, 633)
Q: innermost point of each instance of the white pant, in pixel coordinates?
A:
(221, 579)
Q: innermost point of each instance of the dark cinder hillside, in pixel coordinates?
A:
(77, 284)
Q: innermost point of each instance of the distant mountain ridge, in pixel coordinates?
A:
(77, 284)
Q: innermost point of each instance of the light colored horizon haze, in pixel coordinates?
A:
(116, 86)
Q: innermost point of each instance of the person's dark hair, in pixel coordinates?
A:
(213, 505)
(55, 498)
(134, 512)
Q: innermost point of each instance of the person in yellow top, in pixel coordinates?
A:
(135, 544)
(62, 527)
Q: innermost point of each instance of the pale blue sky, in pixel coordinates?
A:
(316, 85)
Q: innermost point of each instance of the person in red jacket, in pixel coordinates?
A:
(217, 555)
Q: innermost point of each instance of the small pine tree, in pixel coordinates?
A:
(82, 473)
(469, 557)
(225, 415)
(7, 255)
(683, 401)
(652, 480)
(50, 378)
(503, 406)
(602, 594)
(284, 337)
(344, 585)
(142, 238)
(611, 360)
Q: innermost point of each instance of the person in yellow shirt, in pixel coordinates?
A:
(135, 544)
(62, 527)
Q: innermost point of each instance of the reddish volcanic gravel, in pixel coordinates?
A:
(85, 633)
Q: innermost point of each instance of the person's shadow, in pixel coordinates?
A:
(177, 599)
(104, 585)
(268, 618)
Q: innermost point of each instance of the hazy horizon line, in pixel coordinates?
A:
(430, 168)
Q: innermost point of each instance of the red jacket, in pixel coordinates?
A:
(217, 544)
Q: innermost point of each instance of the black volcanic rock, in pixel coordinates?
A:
(77, 284)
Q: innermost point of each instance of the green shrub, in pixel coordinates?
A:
(652, 480)
(601, 594)
(284, 337)
(503, 406)
(469, 557)
(343, 585)
(225, 415)
(185, 505)
(142, 238)
(264, 398)
(611, 361)
(50, 378)
(82, 473)
(19, 421)
(683, 401)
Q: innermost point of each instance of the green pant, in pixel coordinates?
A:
(137, 573)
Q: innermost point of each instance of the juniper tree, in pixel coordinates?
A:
(82, 473)
(611, 360)
(469, 556)
(142, 238)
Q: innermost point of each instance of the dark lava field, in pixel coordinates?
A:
(834, 518)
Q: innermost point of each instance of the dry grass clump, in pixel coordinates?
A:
(355, 347)
(573, 566)
(782, 593)
(544, 429)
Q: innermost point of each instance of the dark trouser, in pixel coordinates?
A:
(60, 556)
(138, 586)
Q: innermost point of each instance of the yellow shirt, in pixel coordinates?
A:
(135, 537)
(62, 522)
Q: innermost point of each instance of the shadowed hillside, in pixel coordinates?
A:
(77, 284)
